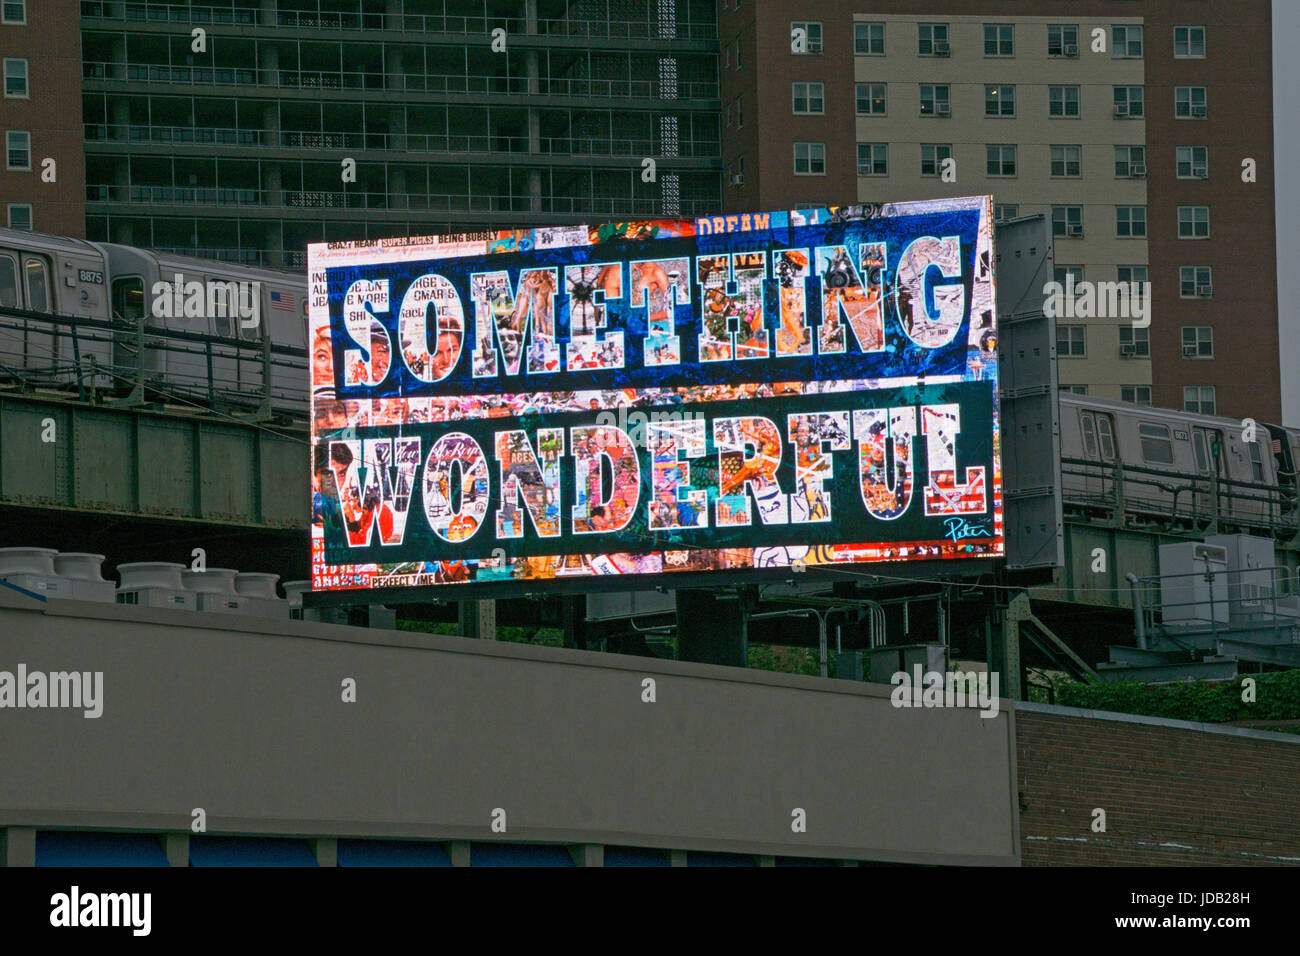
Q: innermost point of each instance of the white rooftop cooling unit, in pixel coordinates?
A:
(83, 572)
(154, 584)
(215, 590)
(1187, 598)
(33, 570)
(256, 590)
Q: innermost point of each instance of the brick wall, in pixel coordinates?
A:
(1173, 796)
(50, 42)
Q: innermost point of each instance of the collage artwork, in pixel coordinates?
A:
(780, 390)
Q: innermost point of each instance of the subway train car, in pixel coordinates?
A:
(1168, 458)
(99, 280)
(41, 273)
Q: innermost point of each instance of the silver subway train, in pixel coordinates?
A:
(1159, 465)
(99, 281)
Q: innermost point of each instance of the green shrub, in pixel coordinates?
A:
(1277, 697)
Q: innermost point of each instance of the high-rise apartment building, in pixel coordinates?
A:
(244, 129)
(1143, 130)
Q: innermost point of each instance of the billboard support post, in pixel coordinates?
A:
(478, 619)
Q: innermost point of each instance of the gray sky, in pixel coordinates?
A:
(1286, 148)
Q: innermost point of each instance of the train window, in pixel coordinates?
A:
(1198, 447)
(128, 298)
(1106, 438)
(1256, 461)
(1157, 447)
(1089, 429)
(8, 282)
(38, 287)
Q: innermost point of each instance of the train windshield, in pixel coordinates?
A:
(128, 298)
(1157, 447)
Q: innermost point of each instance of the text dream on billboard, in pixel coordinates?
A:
(650, 400)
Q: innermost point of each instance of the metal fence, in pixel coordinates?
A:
(1124, 495)
(119, 361)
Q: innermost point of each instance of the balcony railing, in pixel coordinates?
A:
(411, 24)
(452, 84)
(591, 207)
(405, 143)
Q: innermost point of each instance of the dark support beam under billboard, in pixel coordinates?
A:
(711, 627)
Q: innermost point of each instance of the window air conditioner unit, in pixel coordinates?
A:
(738, 179)
(941, 48)
(1137, 170)
(1201, 172)
(1127, 351)
(1189, 351)
(1198, 110)
(1121, 109)
(1204, 291)
(1072, 49)
(1073, 229)
(943, 109)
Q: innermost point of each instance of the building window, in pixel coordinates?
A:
(1075, 389)
(933, 156)
(1130, 161)
(1126, 41)
(1189, 43)
(15, 78)
(1198, 341)
(932, 39)
(1001, 160)
(1067, 275)
(1193, 162)
(1199, 399)
(869, 39)
(1129, 101)
(871, 99)
(1071, 341)
(18, 149)
(1194, 282)
(740, 111)
(812, 33)
(1005, 211)
(999, 101)
(934, 100)
(873, 159)
(1063, 39)
(999, 39)
(1136, 394)
(1189, 102)
(20, 215)
(1067, 221)
(1062, 101)
(810, 159)
(1135, 341)
(1133, 274)
(1193, 222)
(14, 11)
(1131, 222)
(1067, 161)
(808, 98)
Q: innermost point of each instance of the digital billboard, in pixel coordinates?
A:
(646, 402)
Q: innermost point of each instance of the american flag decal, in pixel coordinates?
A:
(1277, 446)
(282, 300)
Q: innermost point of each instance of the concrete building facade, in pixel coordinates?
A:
(290, 122)
(1145, 132)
